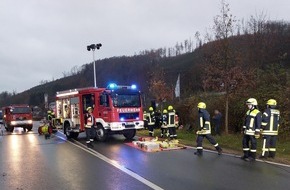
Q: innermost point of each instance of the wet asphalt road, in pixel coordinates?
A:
(28, 161)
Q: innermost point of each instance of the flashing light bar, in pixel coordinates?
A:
(114, 86)
(67, 93)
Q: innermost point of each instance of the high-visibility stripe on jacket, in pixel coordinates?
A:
(89, 121)
(171, 119)
(144, 116)
(270, 121)
(151, 118)
(204, 126)
(252, 122)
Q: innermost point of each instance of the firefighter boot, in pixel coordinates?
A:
(90, 145)
(246, 156)
(198, 152)
(252, 156)
(272, 154)
(219, 150)
(264, 155)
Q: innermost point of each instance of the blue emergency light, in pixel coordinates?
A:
(114, 86)
(133, 86)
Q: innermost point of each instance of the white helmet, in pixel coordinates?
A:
(252, 101)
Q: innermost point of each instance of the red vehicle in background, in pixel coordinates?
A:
(17, 116)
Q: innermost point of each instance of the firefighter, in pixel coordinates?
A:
(158, 119)
(89, 127)
(145, 119)
(151, 121)
(49, 115)
(164, 124)
(270, 126)
(171, 123)
(204, 130)
(251, 130)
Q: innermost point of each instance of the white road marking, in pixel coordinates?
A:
(237, 156)
(113, 163)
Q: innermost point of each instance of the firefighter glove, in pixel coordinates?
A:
(257, 134)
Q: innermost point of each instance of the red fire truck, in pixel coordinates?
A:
(117, 110)
(17, 116)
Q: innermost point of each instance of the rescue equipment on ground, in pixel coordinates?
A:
(149, 144)
(45, 130)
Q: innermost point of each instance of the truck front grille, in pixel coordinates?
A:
(124, 116)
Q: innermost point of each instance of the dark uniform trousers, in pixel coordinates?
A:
(246, 148)
(269, 146)
(210, 138)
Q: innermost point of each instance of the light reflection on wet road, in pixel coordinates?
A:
(28, 161)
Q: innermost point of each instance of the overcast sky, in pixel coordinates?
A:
(42, 39)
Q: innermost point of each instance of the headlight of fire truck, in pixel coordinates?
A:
(30, 121)
(13, 122)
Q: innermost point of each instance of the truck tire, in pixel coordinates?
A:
(129, 134)
(29, 128)
(10, 128)
(5, 126)
(101, 134)
(68, 133)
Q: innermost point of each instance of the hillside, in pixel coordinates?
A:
(261, 60)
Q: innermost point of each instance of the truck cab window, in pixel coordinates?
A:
(88, 101)
(104, 100)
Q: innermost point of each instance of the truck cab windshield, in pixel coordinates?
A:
(19, 110)
(126, 100)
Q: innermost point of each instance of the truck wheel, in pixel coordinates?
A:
(10, 128)
(101, 134)
(29, 128)
(66, 129)
(68, 133)
(5, 126)
(129, 134)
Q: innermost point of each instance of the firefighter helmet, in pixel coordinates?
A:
(201, 105)
(150, 108)
(89, 108)
(272, 102)
(252, 101)
(165, 111)
(170, 108)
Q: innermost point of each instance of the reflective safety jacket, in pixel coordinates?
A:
(171, 119)
(204, 127)
(89, 121)
(164, 120)
(151, 118)
(253, 122)
(145, 116)
(270, 121)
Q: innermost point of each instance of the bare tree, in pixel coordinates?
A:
(223, 71)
